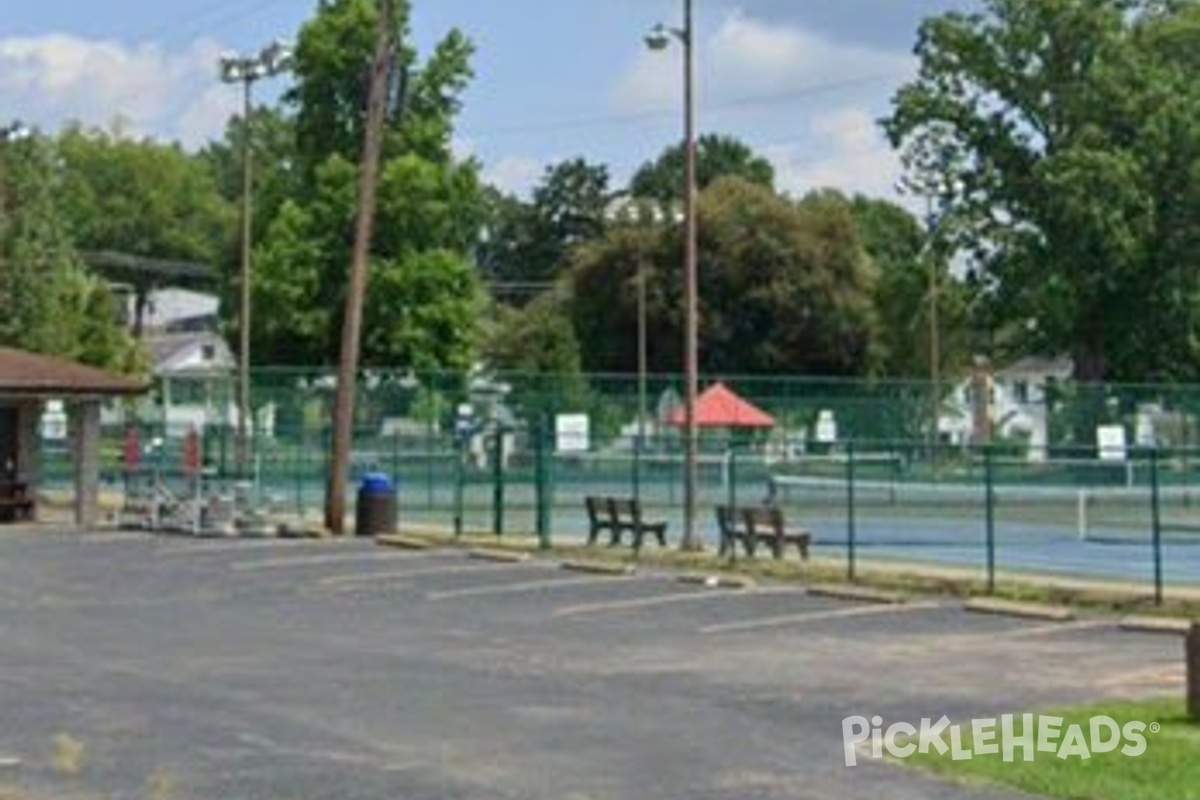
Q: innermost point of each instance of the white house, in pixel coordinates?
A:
(1016, 403)
(194, 371)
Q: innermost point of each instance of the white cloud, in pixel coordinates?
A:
(515, 174)
(843, 149)
(747, 58)
(55, 78)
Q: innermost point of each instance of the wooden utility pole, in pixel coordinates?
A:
(368, 181)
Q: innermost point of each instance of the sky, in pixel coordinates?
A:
(802, 81)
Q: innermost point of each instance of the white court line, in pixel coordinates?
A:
(815, 616)
(284, 562)
(351, 581)
(695, 595)
(526, 586)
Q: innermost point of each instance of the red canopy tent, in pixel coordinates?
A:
(719, 407)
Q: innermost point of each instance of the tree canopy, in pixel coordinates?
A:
(424, 294)
(529, 243)
(785, 288)
(1061, 138)
(48, 301)
(717, 156)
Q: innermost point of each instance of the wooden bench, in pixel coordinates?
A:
(621, 515)
(15, 503)
(752, 525)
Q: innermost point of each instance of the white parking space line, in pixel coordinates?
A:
(789, 620)
(115, 537)
(202, 547)
(974, 640)
(696, 595)
(353, 580)
(285, 562)
(525, 586)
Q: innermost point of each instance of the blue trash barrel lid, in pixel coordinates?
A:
(377, 482)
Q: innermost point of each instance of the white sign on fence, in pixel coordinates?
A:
(572, 433)
(1110, 439)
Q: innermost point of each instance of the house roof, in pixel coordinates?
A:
(1039, 367)
(719, 407)
(30, 374)
(168, 350)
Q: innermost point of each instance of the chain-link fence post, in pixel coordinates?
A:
(851, 520)
(989, 480)
(542, 479)
(498, 482)
(460, 447)
(1156, 524)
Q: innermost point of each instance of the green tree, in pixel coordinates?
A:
(424, 294)
(536, 349)
(717, 157)
(908, 262)
(1061, 137)
(48, 302)
(531, 242)
(785, 287)
(141, 197)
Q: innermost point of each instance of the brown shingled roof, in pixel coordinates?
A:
(24, 373)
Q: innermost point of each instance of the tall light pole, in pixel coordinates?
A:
(247, 70)
(659, 39)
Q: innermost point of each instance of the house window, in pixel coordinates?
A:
(1021, 391)
(208, 352)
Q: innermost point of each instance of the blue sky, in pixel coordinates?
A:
(800, 80)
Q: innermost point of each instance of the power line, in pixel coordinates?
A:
(643, 116)
(214, 17)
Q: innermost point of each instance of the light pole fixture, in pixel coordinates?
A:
(936, 193)
(659, 39)
(247, 70)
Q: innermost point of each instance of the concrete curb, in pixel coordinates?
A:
(9, 762)
(498, 556)
(717, 581)
(403, 542)
(1008, 608)
(1173, 625)
(599, 568)
(860, 593)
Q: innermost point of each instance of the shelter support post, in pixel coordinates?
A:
(85, 441)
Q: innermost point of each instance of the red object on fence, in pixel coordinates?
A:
(133, 448)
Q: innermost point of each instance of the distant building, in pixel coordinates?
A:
(1016, 405)
(194, 373)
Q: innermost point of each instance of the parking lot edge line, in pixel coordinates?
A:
(816, 616)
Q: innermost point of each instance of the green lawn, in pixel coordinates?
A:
(1169, 769)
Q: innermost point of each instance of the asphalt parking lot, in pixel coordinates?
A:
(135, 666)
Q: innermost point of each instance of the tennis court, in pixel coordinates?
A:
(1070, 517)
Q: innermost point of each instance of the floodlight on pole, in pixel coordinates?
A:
(247, 70)
(658, 39)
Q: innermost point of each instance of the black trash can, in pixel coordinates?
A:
(375, 512)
